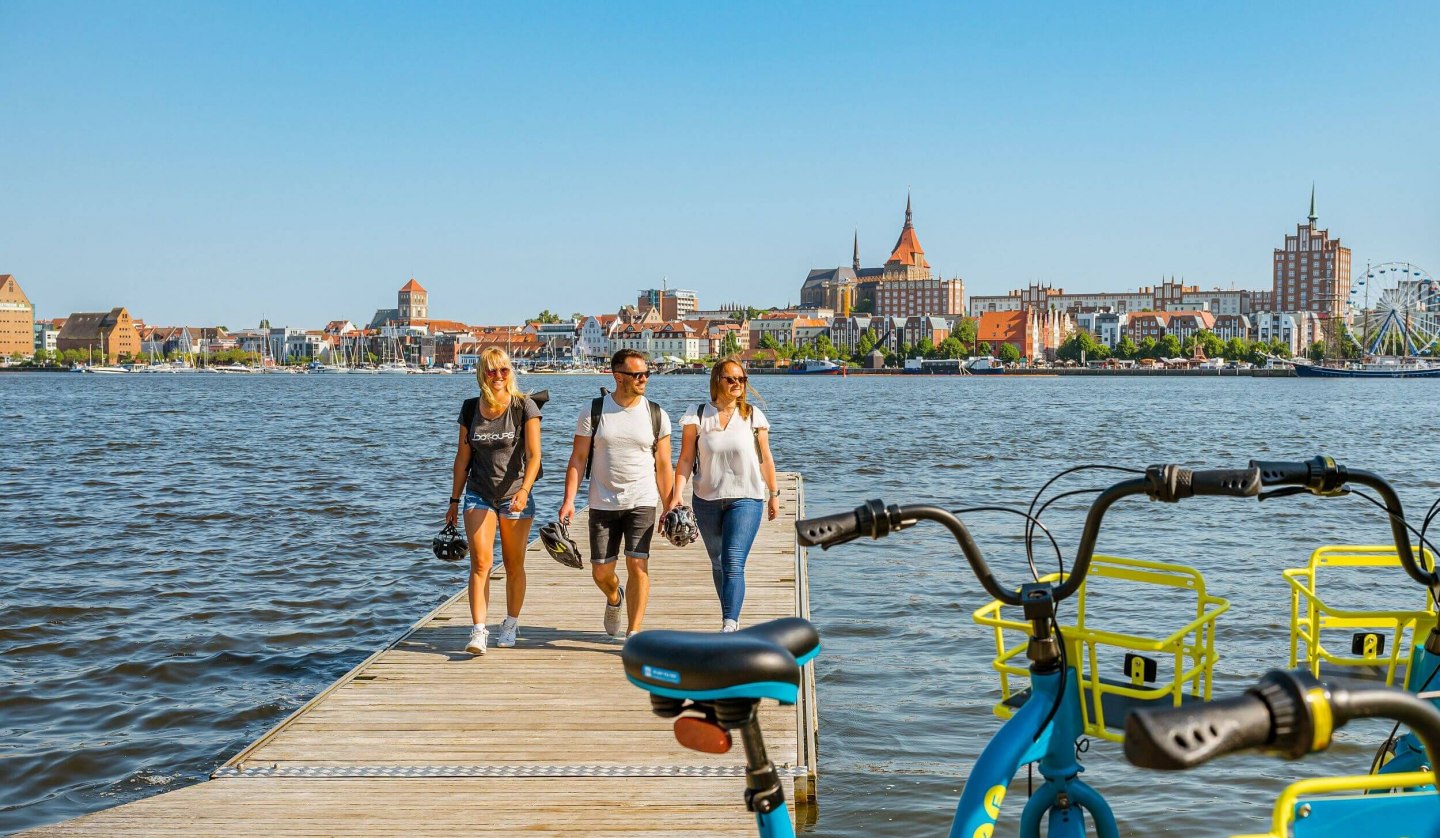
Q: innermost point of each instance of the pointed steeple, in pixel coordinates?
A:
(908, 223)
(907, 250)
(856, 262)
(1313, 216)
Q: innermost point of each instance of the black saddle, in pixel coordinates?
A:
(707, 666)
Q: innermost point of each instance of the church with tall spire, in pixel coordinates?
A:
(903, 287)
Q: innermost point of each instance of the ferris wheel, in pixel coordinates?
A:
(1394, 309)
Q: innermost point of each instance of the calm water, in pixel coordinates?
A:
(188, 558)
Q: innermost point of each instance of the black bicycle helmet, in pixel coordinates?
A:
(449, 545)
(679, 527)
(561, 547)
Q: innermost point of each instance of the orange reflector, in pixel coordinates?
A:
(702, 735)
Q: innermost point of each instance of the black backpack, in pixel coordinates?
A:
(699, 417)
(597, 408)
(517, 418)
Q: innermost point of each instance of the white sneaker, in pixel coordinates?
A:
(729, 626)
(479, 636)
(507, 633)
(612, 614)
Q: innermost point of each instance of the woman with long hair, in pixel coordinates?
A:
(726, 445)
(496, 465)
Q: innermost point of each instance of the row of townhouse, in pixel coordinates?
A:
(1297, 330)
(888, 332)
(1167, 296)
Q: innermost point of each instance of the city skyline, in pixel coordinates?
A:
(299, 163)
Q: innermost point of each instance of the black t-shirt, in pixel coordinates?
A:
(497, 449)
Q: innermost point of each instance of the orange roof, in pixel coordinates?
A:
(907, 248)
(412, 285)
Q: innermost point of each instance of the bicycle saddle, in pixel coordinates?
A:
(706, 666)
(794, 634)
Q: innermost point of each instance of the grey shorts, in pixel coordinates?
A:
(609, 527)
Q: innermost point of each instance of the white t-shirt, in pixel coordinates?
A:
(622, 467)
(729, 464)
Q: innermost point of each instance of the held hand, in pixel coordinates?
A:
(517, 501)
(773, 508)
(567, 511)
(452, 514)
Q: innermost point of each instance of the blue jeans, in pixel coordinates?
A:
(728, 527)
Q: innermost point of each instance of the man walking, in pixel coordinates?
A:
(622, 443)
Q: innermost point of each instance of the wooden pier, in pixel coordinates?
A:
(547, 738)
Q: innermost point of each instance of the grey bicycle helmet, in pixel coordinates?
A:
(679, 527)
(449, 545)
(561, 547)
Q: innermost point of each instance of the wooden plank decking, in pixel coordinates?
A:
(546, 738)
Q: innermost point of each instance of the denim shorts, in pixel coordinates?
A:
(471, 501)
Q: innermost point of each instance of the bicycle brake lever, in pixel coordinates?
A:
(1280, 493)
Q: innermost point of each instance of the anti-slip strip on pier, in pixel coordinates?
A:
(423, 771)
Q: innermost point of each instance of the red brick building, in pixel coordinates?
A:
(17, 319)
(1312, 271)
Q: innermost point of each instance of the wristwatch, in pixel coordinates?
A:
(774, 493)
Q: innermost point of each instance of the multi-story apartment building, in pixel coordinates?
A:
(45, 333)
(671, 303)
(592, 338)
(1312, 271)
(17, 319)
(1169, 295)
(845, 331)
(1158, 324)
(1107, 326)
(1297, 330)
(918, 328)
(659, 341)
(1228, 326)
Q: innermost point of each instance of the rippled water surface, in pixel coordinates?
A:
(188, 558)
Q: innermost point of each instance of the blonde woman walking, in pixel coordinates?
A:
(496, 465)
(726, 444)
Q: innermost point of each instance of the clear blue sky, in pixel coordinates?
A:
(204, 162)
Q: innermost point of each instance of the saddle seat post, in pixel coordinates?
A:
(763, 792)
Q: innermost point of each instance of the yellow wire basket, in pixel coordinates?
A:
(1322, 631)
(1127, 665)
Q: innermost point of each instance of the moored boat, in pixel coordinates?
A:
(821, 366)
(1376, 368)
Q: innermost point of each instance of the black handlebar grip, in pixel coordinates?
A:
(828, 529)
(1176, 738)
(1226, 482)
(1283, 472)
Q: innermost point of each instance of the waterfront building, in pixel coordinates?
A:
(340, 327)
(845, 331)
(1228, 326)
(1296, 329)
(666, 340)
(1311, 272)
(45, 334)
(1034, 332)
(918, 328)
(593, 338)
(107, 334)
(167, 341)
(669, 303)
(17, 319)
(1187, 324)
(1106, 326)
(1169, 295)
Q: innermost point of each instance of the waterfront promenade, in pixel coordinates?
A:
(547, 738)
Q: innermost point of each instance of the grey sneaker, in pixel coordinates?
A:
(612, 614)
(479, 636)
(507, 633)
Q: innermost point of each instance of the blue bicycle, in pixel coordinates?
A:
(718, 680)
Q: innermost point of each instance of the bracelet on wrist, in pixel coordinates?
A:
(454, 500)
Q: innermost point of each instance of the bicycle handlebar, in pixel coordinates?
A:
(1289, 714)
(1170, 483)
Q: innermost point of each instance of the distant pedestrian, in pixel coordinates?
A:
(729, 440)
(496, 464)
(622, 443)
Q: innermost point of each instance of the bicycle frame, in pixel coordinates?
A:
(1021, 741)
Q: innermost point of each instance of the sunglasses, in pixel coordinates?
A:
(634, 375)
(735, 379)
(498, 372)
